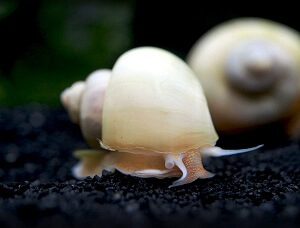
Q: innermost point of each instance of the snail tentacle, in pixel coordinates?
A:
(219, 152)
(178, 161)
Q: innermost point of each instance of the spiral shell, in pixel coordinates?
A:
(250, 71)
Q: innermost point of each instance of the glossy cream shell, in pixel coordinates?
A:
(155, 104)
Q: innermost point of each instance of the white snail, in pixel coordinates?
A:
(250, 73)
(155, 120)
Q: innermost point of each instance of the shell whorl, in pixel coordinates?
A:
(84, 102)
(71, 100)
(256, 66)
(91, 109)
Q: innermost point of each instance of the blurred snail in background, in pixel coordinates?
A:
(153, 120)
(250, 72)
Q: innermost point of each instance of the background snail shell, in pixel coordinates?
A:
(84, 102)
(250, 72)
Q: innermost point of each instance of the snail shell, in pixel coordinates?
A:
(250, 72)
(154, 104)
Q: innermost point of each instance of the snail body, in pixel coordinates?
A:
(155, 120)
(250, 73)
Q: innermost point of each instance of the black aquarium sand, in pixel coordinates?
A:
(258, 189)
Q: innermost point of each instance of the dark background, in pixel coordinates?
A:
(46, 45)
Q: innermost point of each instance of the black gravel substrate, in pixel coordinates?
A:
(258, 189)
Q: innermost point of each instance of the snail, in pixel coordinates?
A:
(152, 119)
(250, 72)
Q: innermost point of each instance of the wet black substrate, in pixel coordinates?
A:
(37, 189)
